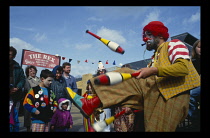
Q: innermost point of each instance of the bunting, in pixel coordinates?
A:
(107, 62)
(114, 63)
(92, 62)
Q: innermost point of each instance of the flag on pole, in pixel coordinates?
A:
(114, 63)
(86, 61)
(78, 61)
(63, 58)
(107, 62)
(70, 60)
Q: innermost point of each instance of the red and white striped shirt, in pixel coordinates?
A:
(177, 49)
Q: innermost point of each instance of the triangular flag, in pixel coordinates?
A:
(114, 63)
(78, 61)
(86, 61)
(70, 60)
(107, 62)
(92, 62)
(63, 58)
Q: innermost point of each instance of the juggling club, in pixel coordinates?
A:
(112, 78)
(110, 44)
(100, 126)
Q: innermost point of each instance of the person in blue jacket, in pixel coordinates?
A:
(70, 80)
(59, 83)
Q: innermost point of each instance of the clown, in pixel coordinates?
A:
(161, 89)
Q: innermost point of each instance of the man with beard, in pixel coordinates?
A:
(161, 90)
(70, 80)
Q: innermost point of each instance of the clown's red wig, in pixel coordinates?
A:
(157, 28)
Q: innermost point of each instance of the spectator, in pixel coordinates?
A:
(40, 102)
(194, 111)
(62, 119)
(17, 82)
(70, 80)
(59, 83)
(107, 111)
(31, 81)
(87, 122)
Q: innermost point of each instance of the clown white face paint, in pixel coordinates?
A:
(47, 82)
(151, 42)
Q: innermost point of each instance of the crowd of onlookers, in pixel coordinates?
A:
(43, 100)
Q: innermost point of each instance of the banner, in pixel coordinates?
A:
(39, 59)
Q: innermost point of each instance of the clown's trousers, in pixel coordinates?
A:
(159, 115)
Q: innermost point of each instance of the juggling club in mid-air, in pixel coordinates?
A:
(112, 78)
(110, 44)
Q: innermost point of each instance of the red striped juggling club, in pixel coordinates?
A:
(112, 45)
(112, 78)
(100, 126)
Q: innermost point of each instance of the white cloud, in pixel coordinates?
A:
(26, 29)
(83, 46)
(152, 16)
(111, 35)
(117, 12)
(20, 45)
(95, 19)
(81, 69)
(193, 18)
(40, 37)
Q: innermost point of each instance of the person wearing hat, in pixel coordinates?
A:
(106, 111)
(161, 90)
(87, 122)
(62, 119)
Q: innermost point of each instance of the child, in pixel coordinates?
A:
(40, 102)
(87, 122)
(62, 119)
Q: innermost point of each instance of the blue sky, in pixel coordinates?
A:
(62, 30)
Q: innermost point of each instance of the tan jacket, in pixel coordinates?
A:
(171, 86)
